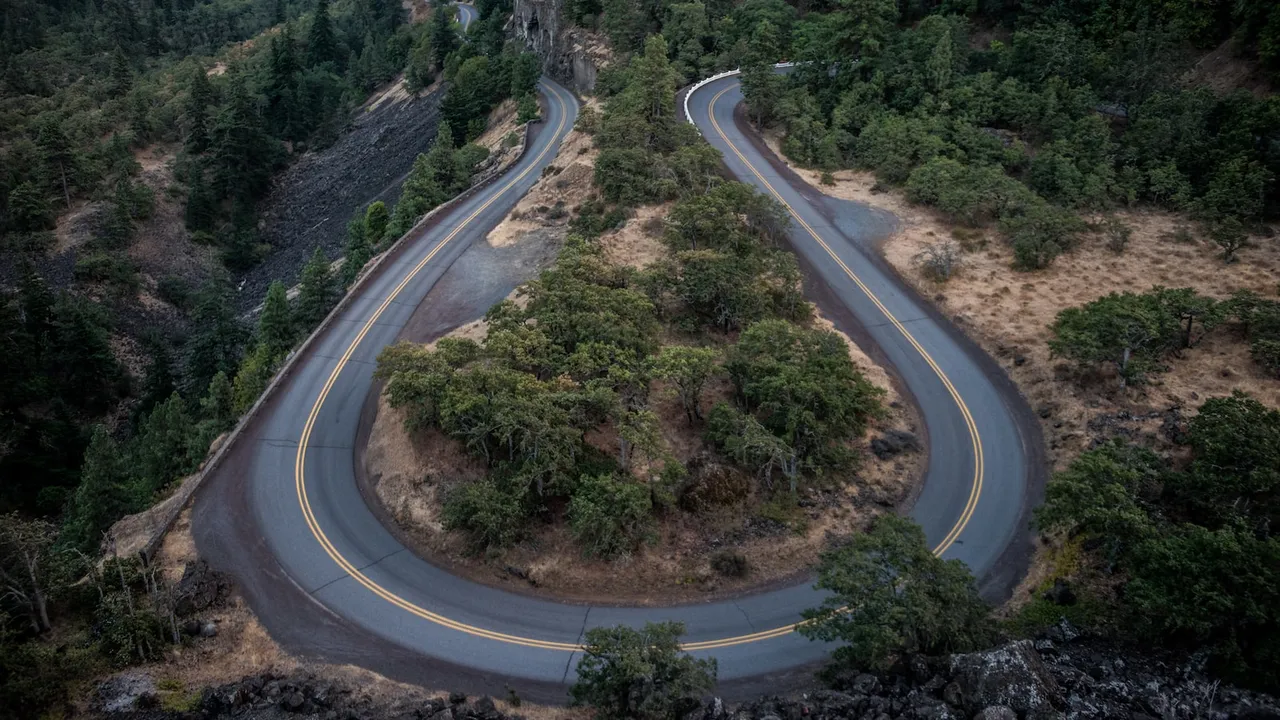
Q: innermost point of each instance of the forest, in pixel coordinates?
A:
(1031, 119)
(102, 408)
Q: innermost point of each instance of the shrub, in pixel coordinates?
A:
(1117, 233)
(643, 674)
(1041, 234)
(730, 563)
(938, 261)
(609, 516)
(492, 516)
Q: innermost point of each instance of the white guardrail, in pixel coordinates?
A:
(718, 76)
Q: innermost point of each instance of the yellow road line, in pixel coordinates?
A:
(354, 572)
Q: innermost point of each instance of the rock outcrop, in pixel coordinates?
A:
(572, 55)
(1060, 675)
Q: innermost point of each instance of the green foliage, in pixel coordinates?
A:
(1193, 547)
(891, 596)
(803, 387)
(687, 369)
(610, 516)
(318, 291)
(165, 448)
(1130, 331)
(492, 516)
(275, 325)
(216, 340)
(255, 372)
(642, 674)
(102, 495)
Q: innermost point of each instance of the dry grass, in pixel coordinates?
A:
(638, 243)
(1009, 312)
(567, 184)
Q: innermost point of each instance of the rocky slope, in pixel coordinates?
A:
(569, 54)
(1062, 674)
(311, 202)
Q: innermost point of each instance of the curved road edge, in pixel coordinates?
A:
(835, 243)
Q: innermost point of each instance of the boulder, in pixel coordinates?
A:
(996, 712)
(124, 692)
(1013, 676)
(894, 442)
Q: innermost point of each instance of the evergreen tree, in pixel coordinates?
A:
(216, 338)
(275, 325)
(318, 291)
(444, 38)
(281, 88)
(375, 221)
(102, 496)
(158, 381)
(243, 153)
(121, 73)
(163, 450)
(54, 145)
(196, 112)
(216, 405)
(357, 251)
(202, 206)
(322, 44)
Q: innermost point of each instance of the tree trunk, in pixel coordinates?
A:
(1124, 365)
(65, 192)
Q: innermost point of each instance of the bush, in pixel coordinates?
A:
(730, 563)
(492, 516)
(938, 261)
(642, 674)
(609, 516)
(1041, 234)
(115, 269)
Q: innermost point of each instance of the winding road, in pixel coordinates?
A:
(284, 514)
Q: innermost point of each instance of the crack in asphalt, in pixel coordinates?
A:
(349, 360)
(582, 632)
(362, 568)
(283, 443)
(745, 616)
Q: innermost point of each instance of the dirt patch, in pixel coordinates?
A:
(563, 187)
(638, 243)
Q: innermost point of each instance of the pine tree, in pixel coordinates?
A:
(322, 44)
(357, 251)
(102, 496)
(215, 341)
(55, 146)
(318, 291)
(375, 221)
(444, 38)
(196, 112)
(216, 405)
(163, 450)
(202, 206)
(282, 110)
(243, 153)
(121, 72)
(275, 325)
(158, 381)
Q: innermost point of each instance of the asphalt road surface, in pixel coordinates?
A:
(466, 14)
(327, 579)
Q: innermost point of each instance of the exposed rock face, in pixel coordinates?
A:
(571, 55)
(1073, 680)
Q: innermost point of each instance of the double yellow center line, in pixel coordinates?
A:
(380, 591)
